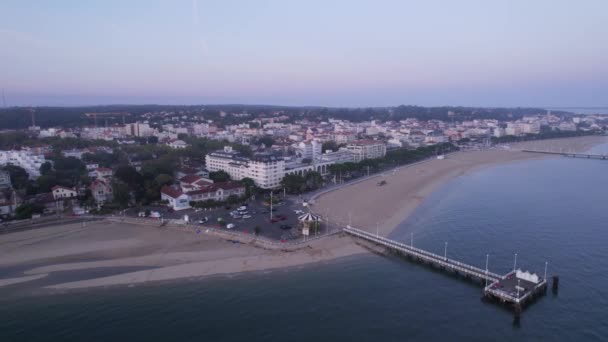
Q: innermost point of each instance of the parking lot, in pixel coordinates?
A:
(282, 224)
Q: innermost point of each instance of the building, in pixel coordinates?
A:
(266, 170)
(513, 129)
(308, 149)
(179, 198)
(9, 201)
(101, 190)
(499, 132)
(175, 197)
(5, 180)
(366, 149)
(336, 157)
(177, 144)
(61, 192)
(30, 161)
(138, 129)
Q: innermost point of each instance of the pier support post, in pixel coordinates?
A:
(555, 283)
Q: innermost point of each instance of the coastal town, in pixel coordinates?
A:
(174, 164)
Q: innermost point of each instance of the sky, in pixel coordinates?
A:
(311, 52)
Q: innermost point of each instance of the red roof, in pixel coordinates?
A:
(171, 191)
(99, 182)
(190, 179)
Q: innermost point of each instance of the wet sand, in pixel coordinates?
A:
(174, 254)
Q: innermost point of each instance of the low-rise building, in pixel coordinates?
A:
(366, 149)
(5, 180)
(179, 198)
(102, 191)
(61, 192)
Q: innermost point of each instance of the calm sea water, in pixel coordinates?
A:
(553, 210)
(582, 110)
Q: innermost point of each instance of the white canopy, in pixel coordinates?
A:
(309, 217)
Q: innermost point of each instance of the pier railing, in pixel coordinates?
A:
(427, 256)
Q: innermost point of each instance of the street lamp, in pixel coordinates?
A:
(515, 263)
(445, 251)
(487, 260)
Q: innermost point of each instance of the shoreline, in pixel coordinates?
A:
(177, 255)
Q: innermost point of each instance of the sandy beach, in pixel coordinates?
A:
(165, 254)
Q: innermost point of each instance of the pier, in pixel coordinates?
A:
(515, 288)
(571, 155)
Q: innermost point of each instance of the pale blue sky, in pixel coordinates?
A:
(336, 53)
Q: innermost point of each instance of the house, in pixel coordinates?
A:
(101, 190)
(217, 192)
(60, 192)
(47, 201)
(175, 197)
(193, 182)
(179, 198)
(9, 201)
(177, 144)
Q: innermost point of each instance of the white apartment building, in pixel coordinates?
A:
(266, 170)
(366, 149)
(29, 161)
(308, 149)
(512, 129)
(336, 157)
(138, 129)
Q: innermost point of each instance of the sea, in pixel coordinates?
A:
(581, 110)
(551, 211)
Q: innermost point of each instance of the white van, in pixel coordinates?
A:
(230, 225)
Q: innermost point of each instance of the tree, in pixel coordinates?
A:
(163, 179)
(26, 210)
(129, 175)
(267, 140)
(294, 184)
(122, 194)
(152, 140)
(46, 168)
(329, 145)
(249, 185)
(219, 176)
(232, 199)
(313, 180)
(19, 177)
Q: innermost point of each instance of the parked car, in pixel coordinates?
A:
(230, 225)
(246, 216)
(242, 208)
